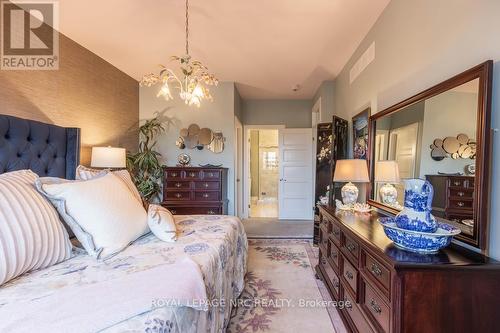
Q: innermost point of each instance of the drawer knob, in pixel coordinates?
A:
(173, 174)
(178, 185)
(351, 247)
(173, 211)
(192, 174)
(460, 194)
(206, 185)
(178, 195)
(375, 307)
(210, 174)
(323, 261)
(205, 195)
(211, 212)
(456, 183)
(375, 270)
(336, 285)
(460, 204)
(349, 275)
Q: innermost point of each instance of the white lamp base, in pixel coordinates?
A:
(388, 194)
(349, 194)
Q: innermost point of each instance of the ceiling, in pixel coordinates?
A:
(266, 47)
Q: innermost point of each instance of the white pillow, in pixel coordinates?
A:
(104, 215)
(162, 224)
(84, 173)
(31, 235)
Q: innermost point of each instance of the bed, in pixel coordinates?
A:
(116, 295)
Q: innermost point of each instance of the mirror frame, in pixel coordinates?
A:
(483, 72)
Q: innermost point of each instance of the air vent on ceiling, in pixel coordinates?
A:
(366, 58)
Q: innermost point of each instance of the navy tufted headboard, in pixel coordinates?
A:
(48, 150)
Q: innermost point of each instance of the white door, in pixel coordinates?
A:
(403, 150)
(295, 190)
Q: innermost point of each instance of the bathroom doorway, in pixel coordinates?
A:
(264, 173)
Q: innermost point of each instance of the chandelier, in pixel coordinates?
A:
(191, 85)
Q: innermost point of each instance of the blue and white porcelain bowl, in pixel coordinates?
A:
(417, 241)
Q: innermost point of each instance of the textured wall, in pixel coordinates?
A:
(86, 92)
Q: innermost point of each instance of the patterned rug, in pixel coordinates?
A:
(281, 292)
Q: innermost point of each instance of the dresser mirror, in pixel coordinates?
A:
(442, 135)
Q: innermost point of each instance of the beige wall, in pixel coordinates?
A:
(86, 92)
(419, 44)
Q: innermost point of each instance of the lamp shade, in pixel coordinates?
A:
(387, 172)
(354, 170)
(108, 157)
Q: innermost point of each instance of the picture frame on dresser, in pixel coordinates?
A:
(457, 106)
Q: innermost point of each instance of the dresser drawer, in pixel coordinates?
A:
(211, 174)
(202, 185)
(351, 247)
(330, 274)
(460, 203)
(336, 233)
(356, 318)
(323, 237)
(377, 308)
(177, 195)
(461, 193)
(173, 174)
(190, 210)
(183, 185)
(350, 275)
(206, 196)
(192, 174)
(334, 255)
(377, 272)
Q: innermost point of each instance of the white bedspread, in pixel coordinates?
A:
(207, 263)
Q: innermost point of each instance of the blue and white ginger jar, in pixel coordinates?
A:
(416, 214)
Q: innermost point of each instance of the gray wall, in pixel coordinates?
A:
(419, 44)
(216, 115)
(291, 113)
(326, 92)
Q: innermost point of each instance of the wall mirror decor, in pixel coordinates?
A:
(442, 135)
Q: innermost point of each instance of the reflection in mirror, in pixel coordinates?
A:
(433, 139)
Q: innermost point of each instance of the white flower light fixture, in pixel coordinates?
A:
(192, 86)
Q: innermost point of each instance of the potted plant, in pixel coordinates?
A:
(144, 166)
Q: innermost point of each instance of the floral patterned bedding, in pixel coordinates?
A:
(218, 244)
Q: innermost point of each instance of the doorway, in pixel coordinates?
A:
(264, 173)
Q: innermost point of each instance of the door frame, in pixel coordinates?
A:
(238, 166)
(246, 163)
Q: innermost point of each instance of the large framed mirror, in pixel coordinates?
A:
(442, 135)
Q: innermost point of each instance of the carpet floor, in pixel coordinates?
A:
(273, 228)
(281, 292)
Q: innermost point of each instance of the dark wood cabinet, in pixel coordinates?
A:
(193, 190)
(392, 290)
(332, 138)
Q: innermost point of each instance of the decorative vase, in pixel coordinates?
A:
(349, 194)
(388, 194)
(416, 214)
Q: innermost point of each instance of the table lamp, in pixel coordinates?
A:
(108, 157)
(351, 171)
(387, 172)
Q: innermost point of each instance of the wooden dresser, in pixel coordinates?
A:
(392, 290)
(193, 190)
(453, 196)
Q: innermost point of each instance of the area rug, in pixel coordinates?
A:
(281, 292)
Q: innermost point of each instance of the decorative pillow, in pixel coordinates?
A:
(162, 224)
(84, 173)
(31, 235)
(102, 212)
